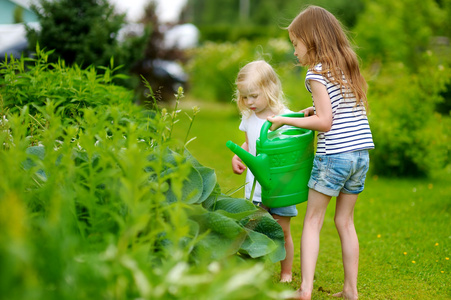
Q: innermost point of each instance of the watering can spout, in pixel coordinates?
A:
(259, 165)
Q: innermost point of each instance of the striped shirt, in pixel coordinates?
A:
(350, 129)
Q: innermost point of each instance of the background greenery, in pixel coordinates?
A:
(405, 55)
(88, 221)
(82, 32)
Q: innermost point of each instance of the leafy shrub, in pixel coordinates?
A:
(408, 79)
(390, 31)
(214, 66)
(32, 81)
(268, 15)
(221, 33)
(107, 205)
(411, 138)
(82, 32)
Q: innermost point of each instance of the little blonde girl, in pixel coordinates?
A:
(344, 137)
(259, 95)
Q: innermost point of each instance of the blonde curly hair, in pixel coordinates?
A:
(259, 75)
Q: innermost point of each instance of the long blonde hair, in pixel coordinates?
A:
(327, 43)
(259, 74)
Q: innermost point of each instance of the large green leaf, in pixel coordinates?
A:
(215, 246)
(234, 205)
(208, 176)
(223, 225)
(208, 182)
(35, 153)
(257, 244)
(262, 222)
(38, 151)
(212, 199)
(191, 190)
(235, 208)
(224, 235)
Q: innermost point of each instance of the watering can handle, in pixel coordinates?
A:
(267, 125)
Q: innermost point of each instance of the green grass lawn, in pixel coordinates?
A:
(404, 225)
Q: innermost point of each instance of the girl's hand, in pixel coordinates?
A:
(276, 122)
(237, 165)
(309, 111)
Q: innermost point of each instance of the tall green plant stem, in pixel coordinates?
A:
(174, 120)
(195, 112)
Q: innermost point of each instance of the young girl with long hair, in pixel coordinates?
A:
(344, 137)
(259, 95)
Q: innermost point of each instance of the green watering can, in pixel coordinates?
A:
(283, 163)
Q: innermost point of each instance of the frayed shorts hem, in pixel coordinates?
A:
(327, 191)
(339, 173)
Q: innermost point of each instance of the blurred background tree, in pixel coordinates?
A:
(231, 20)
(405, 52)
(82, 32)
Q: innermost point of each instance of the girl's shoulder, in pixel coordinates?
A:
(249, 117)
(316, 73)
(244, 124)
(316, 69)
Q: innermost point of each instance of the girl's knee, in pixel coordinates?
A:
(343, 222)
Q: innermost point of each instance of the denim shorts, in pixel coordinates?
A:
(342, 172)
(287, 211)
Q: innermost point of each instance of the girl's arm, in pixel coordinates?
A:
(321, 121)
(309, 111)
(237, 165)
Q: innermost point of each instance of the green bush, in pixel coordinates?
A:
(82, 32)
(411, 138)
(214, 66)
(398, 31)
(105, 204)
(408, 78)
(221, 33)
(33, 81)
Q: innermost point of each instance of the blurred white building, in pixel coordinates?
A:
(13, 15)
(17, 11)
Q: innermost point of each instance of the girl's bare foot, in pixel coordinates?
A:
(301, 295)
(342, 295)
(286, 278)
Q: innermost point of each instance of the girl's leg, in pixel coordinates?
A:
(287, 264)
(313, 221)
(344, 221)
